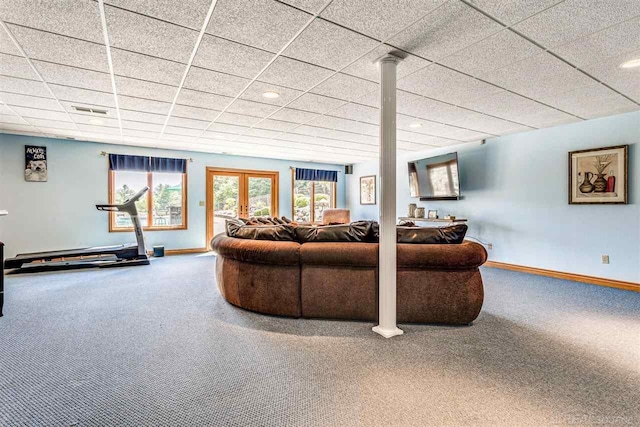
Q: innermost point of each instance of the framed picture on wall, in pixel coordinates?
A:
(599, 176)
(368, 190)
(35, 163)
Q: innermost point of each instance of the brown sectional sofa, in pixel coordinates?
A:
(436, 283)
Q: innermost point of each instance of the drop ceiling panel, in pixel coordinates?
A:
(214, 82)
(72, 76)
(446, 85)
(148, 127)
(16, 66)
(488, 124)
(497, 51)
(143, 89)
(591, 101)
(546, 118)
(61, 50)
(229, 57)
(262, 133)
(291, 115)
(511, 11)
(572, 19)
(54, 124)
(226, 128)
(429, 109)
(276, 125)
(187, 123)
(74, 18)
(316, 103)
(190, 112)
(357, 112)
(14, 99)
(257, 89)
(264, 24)
(94, 120)
(507, 105)
(145, 67)
(238, 119)
(447, 30)
(325, 44)
(378, 19)
(203, 100)
(68, 106)
(294, 74)
(625, 80)
(144, 105)
(7, 45)
(10, 118)
(597, 47)
(23, 86)
(345, 87)
(139, 116)
(345, 125)
(18, 128)
(189, 13)
(367, 68)
(90, 97)
(41, 114)
(251, 108)
(138, 33)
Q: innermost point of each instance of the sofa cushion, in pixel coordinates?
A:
(466, 256)
(257, 251)
(355, 232)
(282, 232)
(347, 254)
(432, 235)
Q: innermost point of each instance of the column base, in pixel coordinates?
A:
(387, 333)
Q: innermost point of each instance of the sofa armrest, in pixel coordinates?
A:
(340, 254)
(465, 256)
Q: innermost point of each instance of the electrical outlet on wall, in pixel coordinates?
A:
(201, 203)
(489, 246)
(605, 259)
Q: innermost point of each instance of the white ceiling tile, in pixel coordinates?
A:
(264, 24)
(238, 119)
(11, 118)
(105, 130)
(572, 19)
(203, 99)
(16, 127)
(512, 11)
(448, 29)
(188, 123)
(229, 57)
(262, 133)
(316, 103)
(61, 50)
(257, 89)
(483, 123)
(181, 135)
(54, 124)
(7, 45)
(16, 66)
(74, 18)
(41, 114)
(94, 120)
(216, 136)
(507, 105)
(139, 116)
(345, 125)
(294, 74)
(68, 106)
(72, 76)
(148, 127)
(595, 100)
(311, 6)
(144, 105)
(5, 110)
(23, 86)
(497, 51)
(429, 109)
(325, 44)
(610, 42)
(212, 81)
(226, 128)
(138, 33)
(373, 99)
(446, 85)
(291, 115)
(145, 67)
(91, 97)
(367, 68)
(143, 89)
(547, 118)
(342, 86)
(378, 19)
(195, 113)
(251, 108)
(188, 13)
(357, 112)
(276, 125)
(14, 99)
(151, 136)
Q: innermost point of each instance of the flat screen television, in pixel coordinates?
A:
(435, 178)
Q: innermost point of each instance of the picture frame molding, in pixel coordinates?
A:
(375, 189)
(625, 149)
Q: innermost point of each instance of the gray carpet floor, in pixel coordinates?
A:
(158, 345)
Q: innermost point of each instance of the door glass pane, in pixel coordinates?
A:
(167, 199)
(323, 198)
(302, 201)
(126, 185)
(259, 196)
(225, 200)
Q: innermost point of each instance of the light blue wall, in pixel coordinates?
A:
(61, 213)
(515, 196)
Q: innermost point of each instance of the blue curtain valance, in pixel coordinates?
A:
(123, 162)
(316, 175)
(164, 164)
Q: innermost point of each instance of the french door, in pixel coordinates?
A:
(233, 193)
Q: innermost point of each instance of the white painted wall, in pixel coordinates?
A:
(61, 213)
(515, 196)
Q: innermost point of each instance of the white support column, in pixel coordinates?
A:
(387, 253)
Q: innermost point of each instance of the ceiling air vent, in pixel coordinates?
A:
(90, 110)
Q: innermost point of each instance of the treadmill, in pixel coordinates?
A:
(99, 256)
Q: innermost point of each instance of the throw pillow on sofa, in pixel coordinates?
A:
(453, 234)
(359, 231)
(281, 232)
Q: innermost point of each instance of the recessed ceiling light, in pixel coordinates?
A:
(631, 64)
(96, 121)
(271, 95)
(415, 125)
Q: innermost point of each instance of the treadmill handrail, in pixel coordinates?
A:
(129, 206)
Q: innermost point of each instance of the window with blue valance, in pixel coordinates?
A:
(316, 175)
(123, 162)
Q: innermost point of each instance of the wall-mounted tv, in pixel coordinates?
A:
(435, 178)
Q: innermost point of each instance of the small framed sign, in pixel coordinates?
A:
(35, 159)
(432, 214)
(368, 190)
